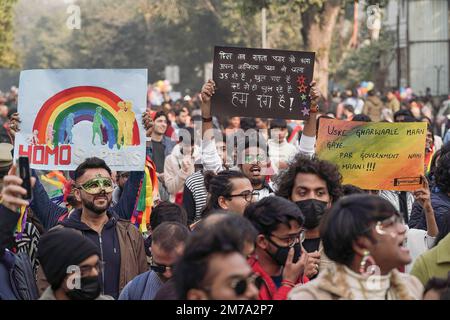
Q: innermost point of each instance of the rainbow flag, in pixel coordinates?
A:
(148, 192)
(22, 221)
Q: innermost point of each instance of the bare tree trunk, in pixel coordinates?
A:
(317, 30)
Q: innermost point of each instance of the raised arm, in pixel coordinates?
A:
(422, 196)
(308, 138)
(45, 209)
(210, 158)
(125, 206)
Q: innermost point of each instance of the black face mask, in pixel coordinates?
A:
(282, 253)
(90, 289)
(313, 211)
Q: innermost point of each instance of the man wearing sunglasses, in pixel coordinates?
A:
(120, 244)
(213, 266)
(168, 241)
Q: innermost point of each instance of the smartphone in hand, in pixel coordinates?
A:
(25, 175)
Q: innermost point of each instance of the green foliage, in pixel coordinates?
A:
(8, 58)
(154, 33)
(368, 62)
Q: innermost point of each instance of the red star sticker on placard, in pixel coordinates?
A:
(302, 88)
(301, 79)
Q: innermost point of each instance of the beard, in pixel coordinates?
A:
(257, 180)
(90, 204)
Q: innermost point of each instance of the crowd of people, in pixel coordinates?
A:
(253, 216)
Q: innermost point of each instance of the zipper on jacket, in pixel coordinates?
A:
(103, 262)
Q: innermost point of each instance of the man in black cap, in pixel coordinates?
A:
(71, 265)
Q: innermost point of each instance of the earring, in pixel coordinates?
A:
(366, 262)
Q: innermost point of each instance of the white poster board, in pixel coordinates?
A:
(70, 115)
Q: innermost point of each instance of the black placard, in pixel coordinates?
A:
(262, 83)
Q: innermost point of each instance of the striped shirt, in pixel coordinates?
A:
(196, 184)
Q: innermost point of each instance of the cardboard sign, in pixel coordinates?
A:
(375, 155)
(70, 115)
(262, 83)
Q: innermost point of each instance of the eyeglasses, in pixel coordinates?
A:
(87, 269)
(240, 286)
(383, 225)
(291, 240)
(97, 185)
(247, 195)
(160, 268)
(255, 158)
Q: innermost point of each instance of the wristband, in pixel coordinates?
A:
(207, 119)
(288, 283)
(314, 109)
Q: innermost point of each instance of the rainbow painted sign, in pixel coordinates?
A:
(70, 115)
(374, 155)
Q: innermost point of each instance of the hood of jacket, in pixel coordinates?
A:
(74, 221)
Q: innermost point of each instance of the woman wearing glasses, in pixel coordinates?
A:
(364, 235)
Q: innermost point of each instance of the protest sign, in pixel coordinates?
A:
(70, 115)
(262, 83)
(375, 156)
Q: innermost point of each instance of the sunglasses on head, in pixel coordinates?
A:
(97, 185)
(240, 286)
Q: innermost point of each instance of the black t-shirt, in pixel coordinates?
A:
(158, 155)
(311, 245)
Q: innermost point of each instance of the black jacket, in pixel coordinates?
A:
(16, 273)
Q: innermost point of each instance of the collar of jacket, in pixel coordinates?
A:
(443, 250)
(74, 220)
(257, 268)
(327, 281)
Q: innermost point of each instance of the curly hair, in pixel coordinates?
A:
(442, 173)
(301, 164)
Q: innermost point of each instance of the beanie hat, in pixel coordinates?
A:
(60, 248)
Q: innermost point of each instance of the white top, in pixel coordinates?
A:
(418, 241)
(372, 288)
(283, 151)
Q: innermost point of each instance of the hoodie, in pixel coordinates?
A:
(108, 243)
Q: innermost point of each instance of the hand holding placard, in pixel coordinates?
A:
(314, 95)
(207, 92)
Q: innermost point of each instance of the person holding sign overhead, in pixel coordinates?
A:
(252, 150)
